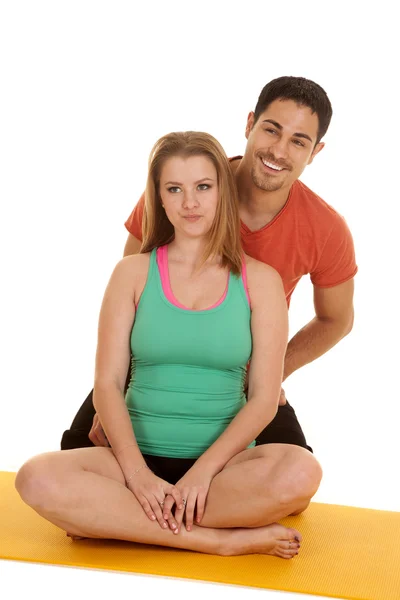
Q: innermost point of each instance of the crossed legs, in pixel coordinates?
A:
(83, 492)
(262, 485)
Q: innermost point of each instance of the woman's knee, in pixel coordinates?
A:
(313, 474)
(304, 478)
(37, 482)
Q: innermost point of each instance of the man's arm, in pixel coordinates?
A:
(333, 320)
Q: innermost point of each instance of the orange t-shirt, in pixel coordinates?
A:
(306, 236)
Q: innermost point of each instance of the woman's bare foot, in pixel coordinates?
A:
(274, 539)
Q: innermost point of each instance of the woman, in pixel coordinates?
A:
(181, 469)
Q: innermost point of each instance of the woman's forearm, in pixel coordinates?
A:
(243, 429)
(114, 417)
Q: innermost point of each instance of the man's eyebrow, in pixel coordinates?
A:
(279, 126)
(274, 123)
(177, 183)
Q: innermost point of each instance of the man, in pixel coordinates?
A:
(286, 225)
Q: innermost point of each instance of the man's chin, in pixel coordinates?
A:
(267, 185)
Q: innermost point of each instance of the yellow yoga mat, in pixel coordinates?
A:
(346, 552)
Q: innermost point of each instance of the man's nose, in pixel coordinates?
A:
(280, 148)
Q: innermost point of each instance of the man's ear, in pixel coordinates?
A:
(316, 150)
(249, 124)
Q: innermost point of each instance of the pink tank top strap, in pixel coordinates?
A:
(244, 278)
(162, 262)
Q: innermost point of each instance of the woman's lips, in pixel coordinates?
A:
(192, 218)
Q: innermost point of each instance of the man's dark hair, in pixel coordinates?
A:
(302, 91)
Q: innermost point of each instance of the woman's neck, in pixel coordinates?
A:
(190, 252)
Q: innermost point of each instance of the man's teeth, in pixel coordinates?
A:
(271, 165)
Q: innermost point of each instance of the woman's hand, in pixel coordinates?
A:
(193, 488)
(150, 491)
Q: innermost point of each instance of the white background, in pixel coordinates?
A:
(86, 89)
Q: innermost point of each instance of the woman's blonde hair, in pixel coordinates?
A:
(224, 235)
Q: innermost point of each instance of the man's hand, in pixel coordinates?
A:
(282, 398)
(96, 434)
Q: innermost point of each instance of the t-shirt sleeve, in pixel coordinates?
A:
(337, 262)
(134, 222)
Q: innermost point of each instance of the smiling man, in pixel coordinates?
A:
(286, 225)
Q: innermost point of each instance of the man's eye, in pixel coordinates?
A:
(174, 189)
(298, 143)
(269, 130)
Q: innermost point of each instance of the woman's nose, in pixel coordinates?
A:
(190, 199)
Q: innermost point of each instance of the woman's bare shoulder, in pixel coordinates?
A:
(257, 269)
(264, 283)
(132, 270)
(137, 262)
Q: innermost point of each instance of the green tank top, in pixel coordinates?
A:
(188, 369)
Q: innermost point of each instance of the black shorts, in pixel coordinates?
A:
(169, 469)
(283, 429)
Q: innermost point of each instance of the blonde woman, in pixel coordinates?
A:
(181, 469)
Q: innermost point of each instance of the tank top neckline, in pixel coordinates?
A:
(168, 295)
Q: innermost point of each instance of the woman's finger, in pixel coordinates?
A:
(175, 493)
(157, 510)
(168, 514)
(190, 506)
(178, 519)
(167, 507)
(200, 505)
(145, 504)
(181, 511)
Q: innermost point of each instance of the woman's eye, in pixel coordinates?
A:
(203, 186)
(174, 189)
